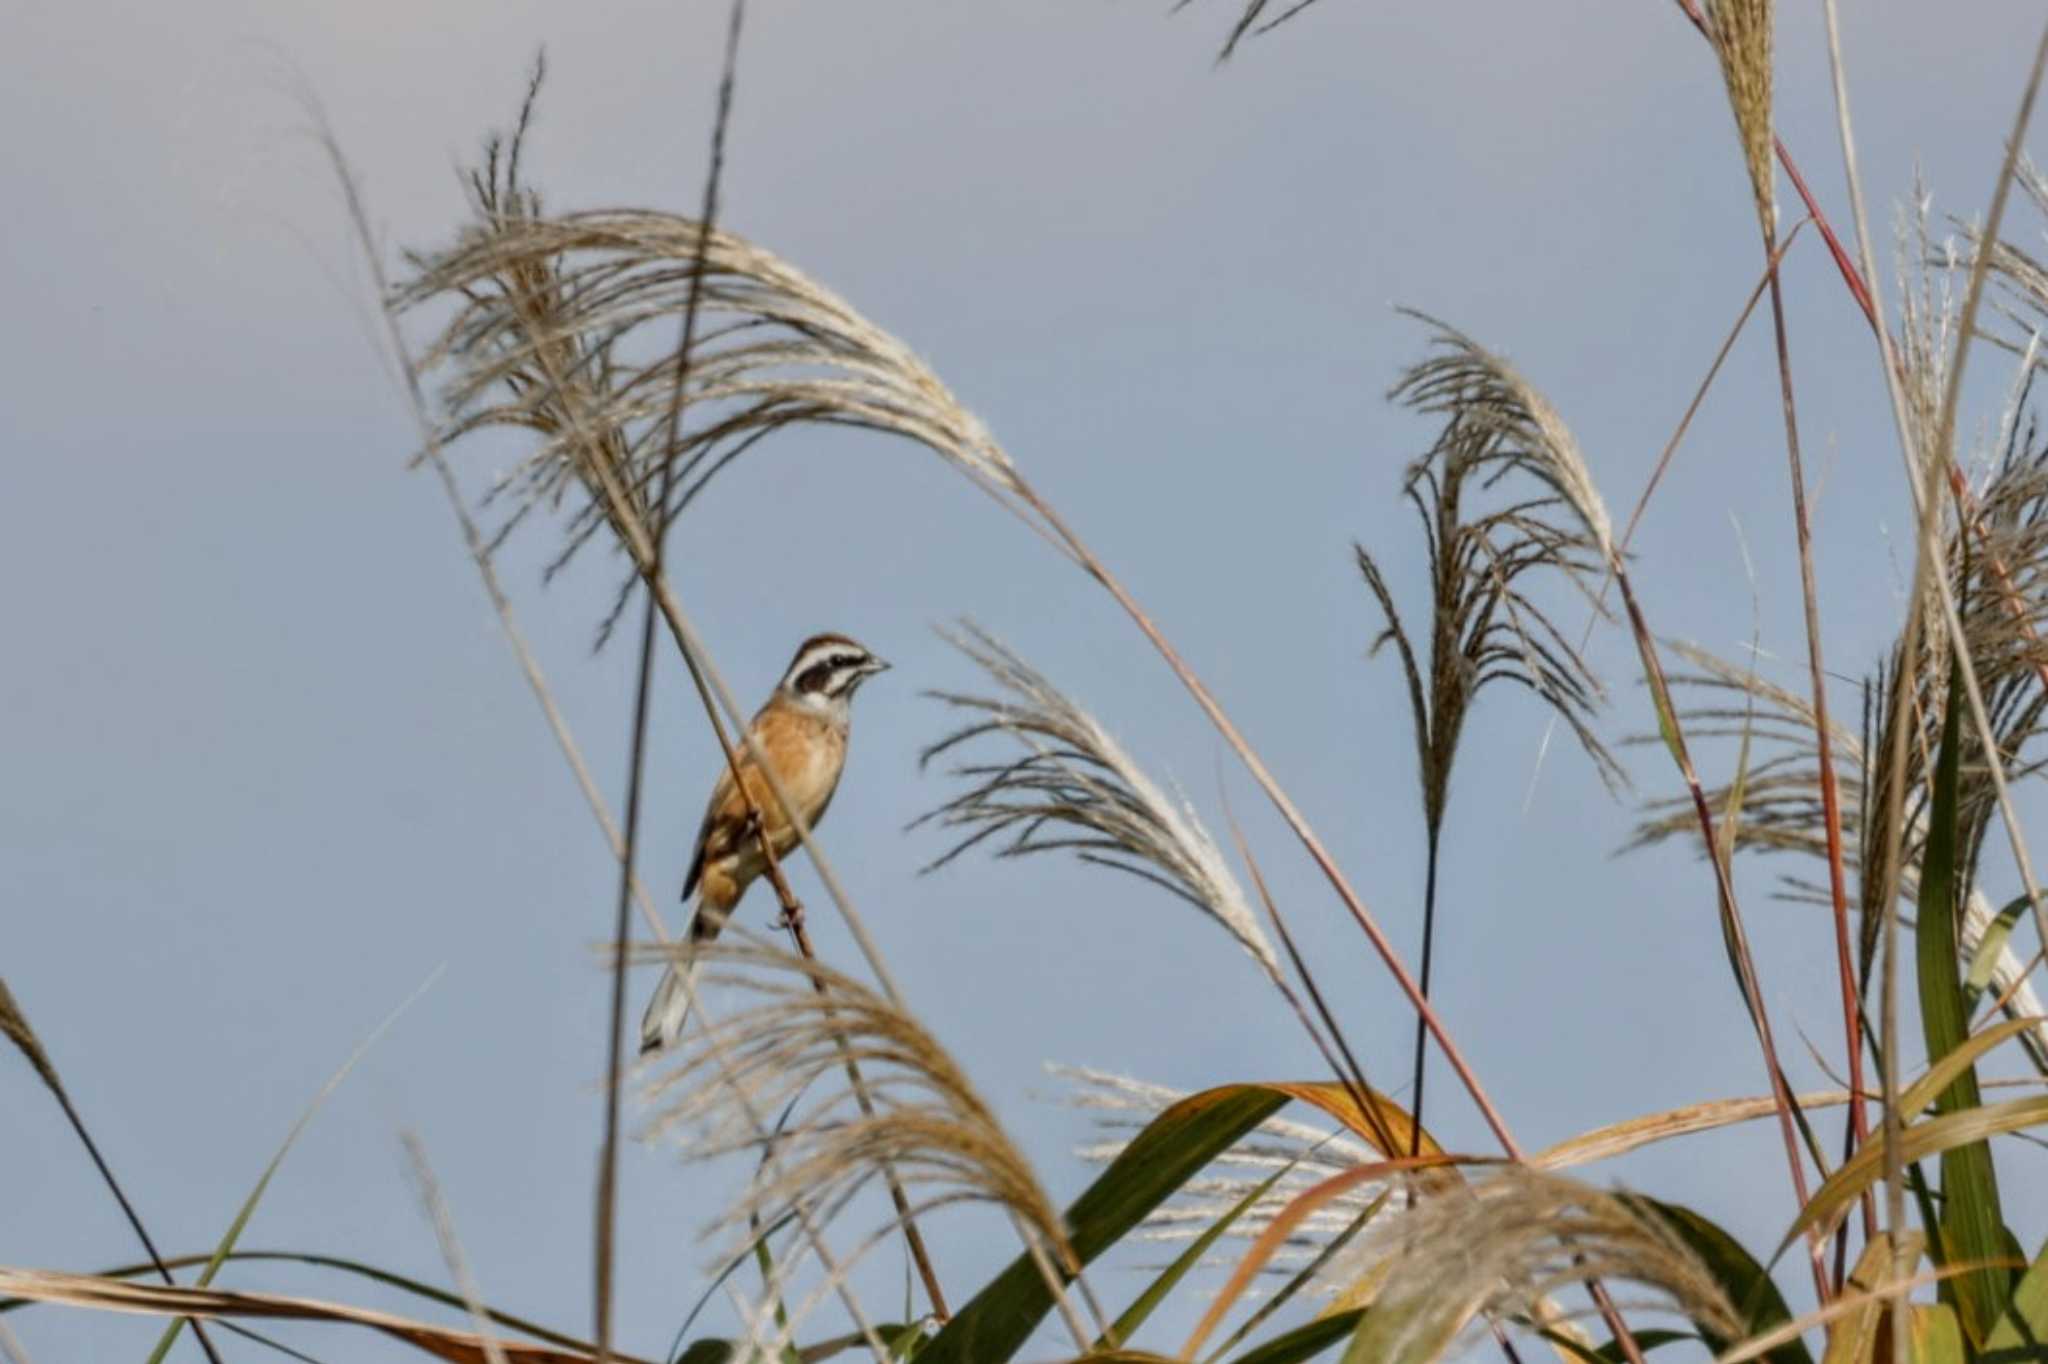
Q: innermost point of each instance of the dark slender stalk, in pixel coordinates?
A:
(1428, 951)
(792, 908)
(128, 1210)
(15, 1027)
(615, 1049)
(1353, 1078)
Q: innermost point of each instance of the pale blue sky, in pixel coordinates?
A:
(269, 761)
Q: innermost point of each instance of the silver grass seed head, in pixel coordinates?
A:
(1074, 787)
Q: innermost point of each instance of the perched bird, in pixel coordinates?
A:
(801, 733)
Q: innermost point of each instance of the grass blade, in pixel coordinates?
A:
(1126, 1325)
(1917, 1142)
(1304, 1276)
(1944, 1072)
(1972, 1222)
(15, 1027)
(388, 1278)
(1985, 963)
(1305, 1342)
(113, 1295)
(1171, 1149)
(242, 1215)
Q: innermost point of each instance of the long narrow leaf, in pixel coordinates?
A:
(387, 1277)
(1172, 1149)
(1305, 1342)
(114, 1295)
(1619, 1138)
(1972, 1222)
(1919, 1141)
(241, 1220)
(1147, 1302)
(1306, 1275)
(1282, 1226)
(1923, 1091)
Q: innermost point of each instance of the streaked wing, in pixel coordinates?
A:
(721, 795)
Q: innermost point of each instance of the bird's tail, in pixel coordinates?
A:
(666, 1013)
(669, 1009)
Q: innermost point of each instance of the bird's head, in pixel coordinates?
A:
(826, 672)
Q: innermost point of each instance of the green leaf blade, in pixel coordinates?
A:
(1973, 1223)
(1171, 1149)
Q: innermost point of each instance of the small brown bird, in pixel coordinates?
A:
(802, 734)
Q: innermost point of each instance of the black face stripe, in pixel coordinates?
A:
(833, 674)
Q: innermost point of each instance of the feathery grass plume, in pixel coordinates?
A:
(1926, 271)
(1498, 1246)
(1075, 787)
(2021, 275)
(787, 1046)
(561, 327)
(1483, 627)
(1465, 380)
(1741, 32)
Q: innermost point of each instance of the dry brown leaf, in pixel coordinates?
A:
(114, 1295)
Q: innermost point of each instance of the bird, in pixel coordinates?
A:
(801, 732)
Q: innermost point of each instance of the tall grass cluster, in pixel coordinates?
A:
(640, 353)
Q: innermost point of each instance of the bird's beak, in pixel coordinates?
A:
(876, 665)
